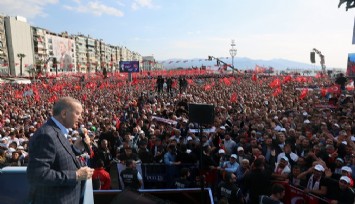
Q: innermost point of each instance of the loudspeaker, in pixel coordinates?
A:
(201, 113)
(313, 57)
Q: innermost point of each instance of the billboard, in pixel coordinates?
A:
(63, 50)
(129, 66)
(350, 71)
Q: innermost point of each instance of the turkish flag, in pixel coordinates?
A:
(287, 79)
(304, 93)
(207, 87)
(226, 81)
(324, 92)
(275, 83)
(254, 77)
(277, 92)
(233, 98)
(335, 89)
(18, 94)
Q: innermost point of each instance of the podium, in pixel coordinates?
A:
(14, 186)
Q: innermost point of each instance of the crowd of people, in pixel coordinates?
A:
(291, 129)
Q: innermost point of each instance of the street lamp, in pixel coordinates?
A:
(20, 55)
(233, 53)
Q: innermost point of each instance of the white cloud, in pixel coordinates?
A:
(137, 4)
(95, 7)
(26, 8)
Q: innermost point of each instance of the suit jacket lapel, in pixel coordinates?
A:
(65, 143)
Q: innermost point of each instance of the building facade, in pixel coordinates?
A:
(4, 59)
(150, 64)
(92, 59)
(20, 45)
(26, 51)
(81, 53)
(40, 49)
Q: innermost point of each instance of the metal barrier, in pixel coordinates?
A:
(159, 176)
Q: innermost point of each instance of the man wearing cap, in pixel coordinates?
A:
(342, 193)
(282, 171)
(291, 156)
(315, 182)
(347, 171)
(241, 155)
(231, 165)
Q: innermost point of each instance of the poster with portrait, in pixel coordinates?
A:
(350, 71)
(129, 66)
(63, 50)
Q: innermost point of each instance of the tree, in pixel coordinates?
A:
(21, 56)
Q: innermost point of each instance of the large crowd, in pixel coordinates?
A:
(291, 128)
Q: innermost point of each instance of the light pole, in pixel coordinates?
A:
(233, 53)
(20, 55)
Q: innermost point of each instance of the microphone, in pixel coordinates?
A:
(82, 135)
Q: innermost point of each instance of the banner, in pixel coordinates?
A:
(298, 196)
(350, 71)
(129, 66)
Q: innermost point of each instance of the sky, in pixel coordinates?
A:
(188, 29)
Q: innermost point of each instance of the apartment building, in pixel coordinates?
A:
(20, 45)
(4, 59)
(92, 59)
(40, 49)
(81, 53)
(27, 50)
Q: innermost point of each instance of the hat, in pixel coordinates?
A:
(275, 118)
(336, 125)
(340, 159)
(11, 150)
(283, 130)
(284, 158)
(89, 123)
(222, 127)
(189, 138)
(221, 151)
(188, 151)
(20, 148)
(307, 122)
(347, 169)
(345, 178)
(319, 167)
(240, 149)
(234, 156)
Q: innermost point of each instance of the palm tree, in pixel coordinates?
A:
(20, 55)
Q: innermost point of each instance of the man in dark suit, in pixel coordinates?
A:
(54, 173)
